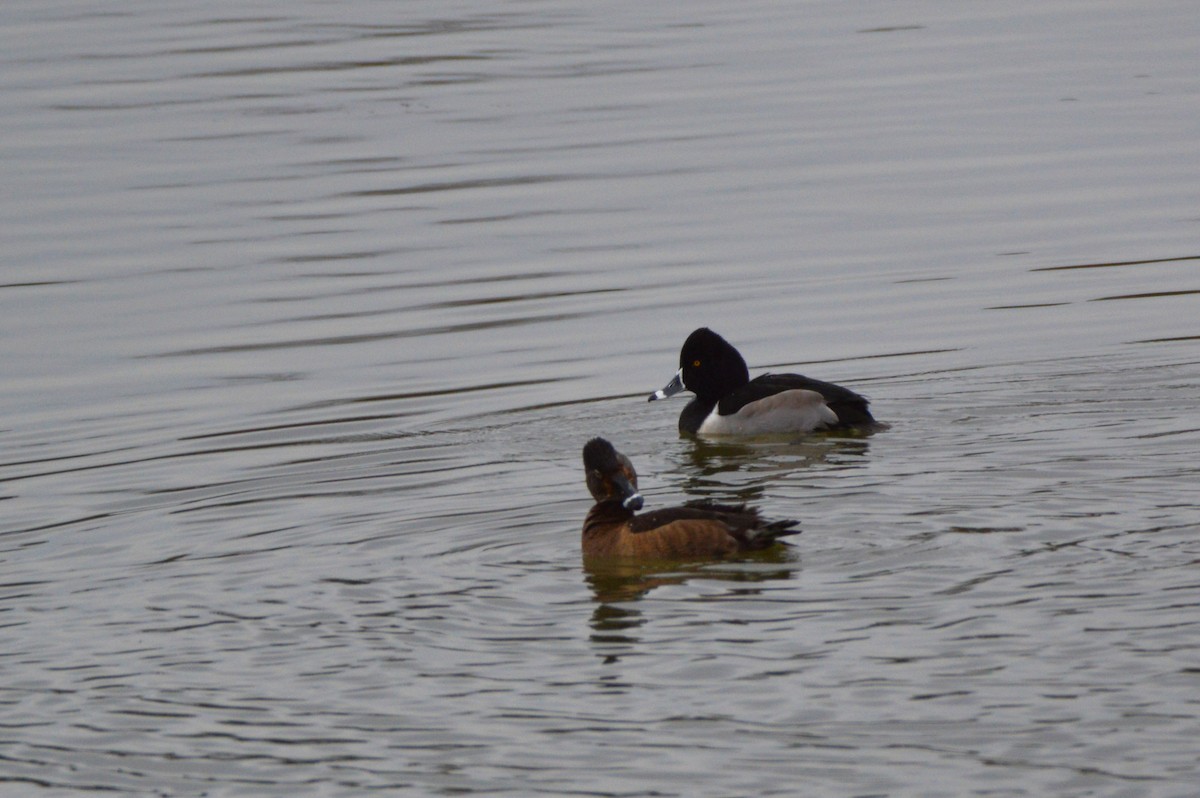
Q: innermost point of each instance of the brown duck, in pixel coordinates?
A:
(696, 529)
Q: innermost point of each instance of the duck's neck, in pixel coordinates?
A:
(604, 517)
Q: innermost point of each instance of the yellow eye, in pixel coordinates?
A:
(696, 364)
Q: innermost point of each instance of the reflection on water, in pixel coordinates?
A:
(308, 310)
(615, 580)
(745, 471)
(618, 585)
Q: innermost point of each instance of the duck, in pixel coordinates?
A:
(728, 403)
(695, 530)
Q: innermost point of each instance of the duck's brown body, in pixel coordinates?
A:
(694, 530)
(690, 531)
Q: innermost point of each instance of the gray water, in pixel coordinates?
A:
(308, 309)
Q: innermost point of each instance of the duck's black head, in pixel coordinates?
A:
(709, 365)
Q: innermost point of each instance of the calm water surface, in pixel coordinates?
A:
(308, 310)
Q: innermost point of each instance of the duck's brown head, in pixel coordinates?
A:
(610, 475)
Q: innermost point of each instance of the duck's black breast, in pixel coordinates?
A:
(694, 413)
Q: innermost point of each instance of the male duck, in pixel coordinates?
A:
(700, 529)
(728, 402)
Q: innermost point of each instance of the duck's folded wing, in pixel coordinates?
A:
(656, 519)
(683, 537)
(713, 521)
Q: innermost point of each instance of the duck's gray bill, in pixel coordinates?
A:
(670, 389)
(632, 499)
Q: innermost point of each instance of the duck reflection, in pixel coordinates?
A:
(708, 463)
(619, 584)
(619, 580)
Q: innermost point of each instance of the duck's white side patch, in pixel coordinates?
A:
(789, 411)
